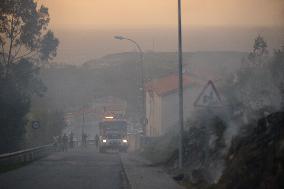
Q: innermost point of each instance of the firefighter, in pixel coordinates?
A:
(60, 145)
(71, 138)
(84, 139)
(65, 142)
(97, 140)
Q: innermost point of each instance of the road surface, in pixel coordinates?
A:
(78, 169)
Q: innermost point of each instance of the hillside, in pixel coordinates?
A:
(71, 87)
(157, 64)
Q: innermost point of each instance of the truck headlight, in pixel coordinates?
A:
(104, 140)
(124, 141)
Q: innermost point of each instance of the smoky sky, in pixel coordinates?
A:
(161, 13)
(86, 28)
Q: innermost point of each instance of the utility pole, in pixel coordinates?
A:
(180, 60)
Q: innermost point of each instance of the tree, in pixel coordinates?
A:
(25, 44)
(252, 91)
(51, 124)
(277, 69)
(24, 33)
(258, 57)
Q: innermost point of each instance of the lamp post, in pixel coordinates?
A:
(180, 60)
(141, 56)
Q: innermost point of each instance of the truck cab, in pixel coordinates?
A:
(113, 135)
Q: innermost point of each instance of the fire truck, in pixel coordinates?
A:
(113, 134)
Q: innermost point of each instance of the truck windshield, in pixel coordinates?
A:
(114, 136)
(113, 125)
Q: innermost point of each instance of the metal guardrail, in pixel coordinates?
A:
(27, 155)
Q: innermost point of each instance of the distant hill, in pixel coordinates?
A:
(157, 64)
(79, 45)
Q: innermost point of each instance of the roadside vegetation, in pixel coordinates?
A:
(241, 145)
(26, 45)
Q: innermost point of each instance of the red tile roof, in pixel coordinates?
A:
(166, 85)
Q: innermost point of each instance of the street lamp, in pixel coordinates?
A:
(141, 55)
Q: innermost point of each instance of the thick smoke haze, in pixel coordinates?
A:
(116, 14)
(93, 94)
(86, 27)
(78, 45)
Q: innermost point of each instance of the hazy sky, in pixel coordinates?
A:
(143, 13)
(86, 28)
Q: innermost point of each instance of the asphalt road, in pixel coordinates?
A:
(78, 169)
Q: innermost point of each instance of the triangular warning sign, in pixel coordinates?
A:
(209, 97)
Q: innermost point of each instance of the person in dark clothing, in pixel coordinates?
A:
(84, 140)
(65, 142)
(60, 143)
(71, 138)
(97, 140)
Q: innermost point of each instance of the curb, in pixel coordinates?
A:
(125, 181)
(140, 175)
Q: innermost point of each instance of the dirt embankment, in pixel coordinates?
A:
(256, 159)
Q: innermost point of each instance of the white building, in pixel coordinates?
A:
(162, 102)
